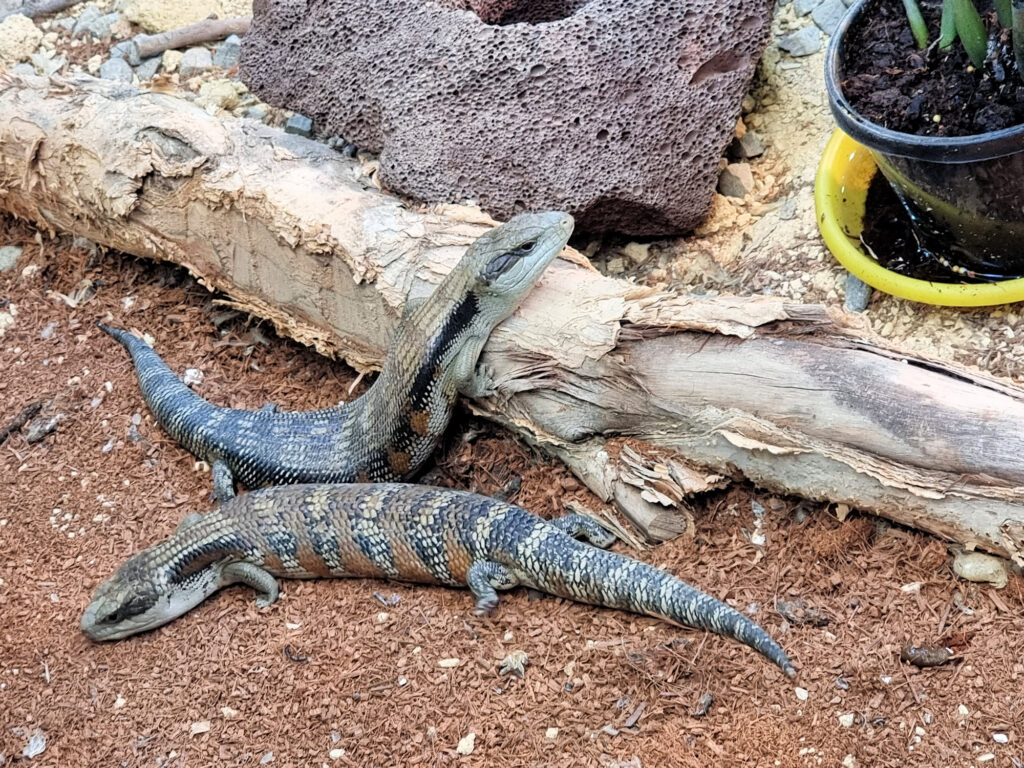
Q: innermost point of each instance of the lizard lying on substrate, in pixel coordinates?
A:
(405, 532)
(390, 431)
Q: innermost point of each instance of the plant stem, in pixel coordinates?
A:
(1003, 9)
(1018, 36)
(947, 33)
(917, 25)
(971, 30)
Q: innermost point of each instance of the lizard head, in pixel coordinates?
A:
(507, 261)
(138, 598)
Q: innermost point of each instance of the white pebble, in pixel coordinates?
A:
(846, 720)
(448, 663)
(801, 693)
(551, 733)
(1000, 738)
(336, 754)
(466, 744)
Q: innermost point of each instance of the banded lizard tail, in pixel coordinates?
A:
(390, 431)
(405, 532)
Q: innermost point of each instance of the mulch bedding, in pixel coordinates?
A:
(330, 675)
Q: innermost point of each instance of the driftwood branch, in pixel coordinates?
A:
(649, 397)
(145, 46)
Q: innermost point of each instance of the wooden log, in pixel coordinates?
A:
(649, 397)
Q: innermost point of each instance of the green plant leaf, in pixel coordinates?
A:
(917, 25)
(1003, 9)
(971, 30)
(947, 34)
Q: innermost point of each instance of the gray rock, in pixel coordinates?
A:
(257, 112)
(116, 69)
(828, 15)
(66, 23)
(747, 146)
(803, 7)
(194, 61)
(736, 180)
(299, 124)
(85, 244)
(228, 52)
(24, 68)
(99, 27)
(147, 69)
(788, 210)
(88, 15)
(858, 294)
(803, 42)
(9, 255)
(124, 50)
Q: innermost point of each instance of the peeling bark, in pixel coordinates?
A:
(648, 397)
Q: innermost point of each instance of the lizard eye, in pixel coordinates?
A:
(527, 247)
(501, 264)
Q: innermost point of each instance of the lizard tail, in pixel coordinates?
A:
(179, 410)
(615, 581)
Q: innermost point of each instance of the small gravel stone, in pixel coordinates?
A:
(48, 330)
(336, 754)
(116, 69)
(747, 146)
(257, 112)
(1000, 738)
(975, 566)
(551, 733)
(192, 377)
(858, 294)
(466, 744)
(194, 61)
(147, 69)
(222, 94)
(846, 720)
(737, 180)
(170, 60)
(9, 254)
(88, 15)
(803, 7)
(99, 27)
(228, 52)
(23, 69)
(828, 15)
(66, 23)
(803, 42)
(299, 124)
(801, 693)
(46, 63)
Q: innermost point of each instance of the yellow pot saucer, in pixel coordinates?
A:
(840, 191)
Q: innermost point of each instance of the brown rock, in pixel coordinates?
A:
(737, 180)
(616, 112)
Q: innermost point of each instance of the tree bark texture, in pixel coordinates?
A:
(649, 397)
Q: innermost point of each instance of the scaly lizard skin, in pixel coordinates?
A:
(390, 431)
(405, 532)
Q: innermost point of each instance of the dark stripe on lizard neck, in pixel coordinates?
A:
(433, 360)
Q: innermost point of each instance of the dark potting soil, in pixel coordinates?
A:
(890, 237)
(890, 81)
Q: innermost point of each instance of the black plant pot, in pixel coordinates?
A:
(964, 194)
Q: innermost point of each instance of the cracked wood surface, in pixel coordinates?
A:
(701, 389)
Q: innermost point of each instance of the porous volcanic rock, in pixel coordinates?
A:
(614, 111)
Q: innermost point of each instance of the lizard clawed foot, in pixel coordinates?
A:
(482, 384)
